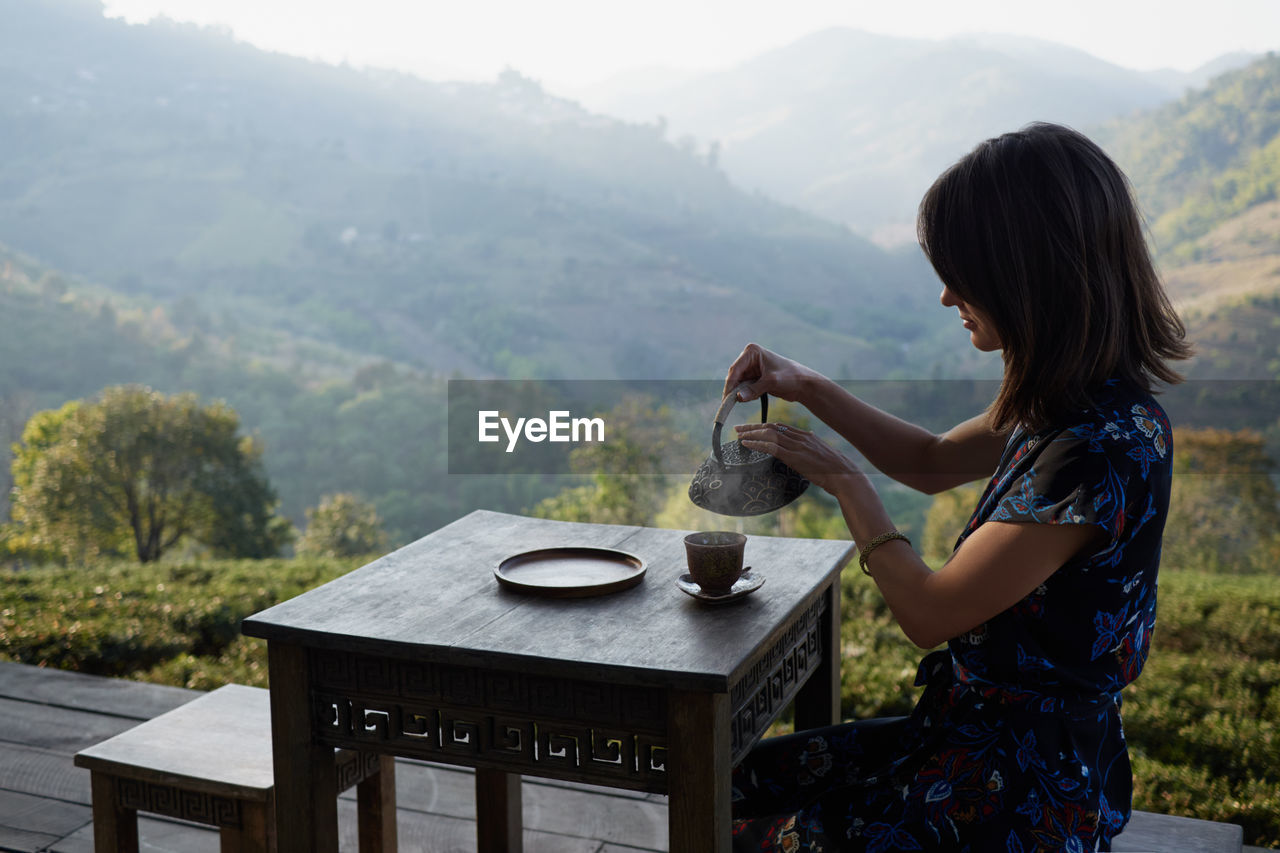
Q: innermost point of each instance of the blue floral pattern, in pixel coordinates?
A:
(1016, 743)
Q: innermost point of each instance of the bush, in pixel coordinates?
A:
(343, 525)
(118, 619)
(1203, 720)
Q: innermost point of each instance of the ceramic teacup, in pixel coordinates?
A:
(715, 559)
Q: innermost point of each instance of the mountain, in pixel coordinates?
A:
(855, 126)
(491, 229)
(1206, 168)
(1177, 82)
(379, 431)
(1206, 157)
(321, 246)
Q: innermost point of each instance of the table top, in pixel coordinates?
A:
(438, 600)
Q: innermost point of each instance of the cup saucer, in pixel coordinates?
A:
(744, 585)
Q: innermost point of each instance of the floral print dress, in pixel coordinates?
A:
(1016, 743)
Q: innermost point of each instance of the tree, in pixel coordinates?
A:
(343, 525)
(628, 484)
(138, 471)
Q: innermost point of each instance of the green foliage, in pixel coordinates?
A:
(243, 661)
(124, 619)
(1190, 791)
(1206, 157)
(1203, 720)
(1224, 512)
(879, 662)
(627, 484)
(1229, 193)
(138, 471)
(948, 514)
(343, 525)
(375, 433)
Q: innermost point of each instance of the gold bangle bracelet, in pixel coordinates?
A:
(876, 543)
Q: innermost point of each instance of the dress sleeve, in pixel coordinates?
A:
(1072, 479)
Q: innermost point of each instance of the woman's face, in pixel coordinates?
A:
(982, 332)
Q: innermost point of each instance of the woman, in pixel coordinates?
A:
(1048, 602)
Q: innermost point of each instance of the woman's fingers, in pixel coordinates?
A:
(778, 440)
(755, 431)
(799, 448)
(748, 366)
(758, 366)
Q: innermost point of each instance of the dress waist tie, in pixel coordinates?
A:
(940, 670)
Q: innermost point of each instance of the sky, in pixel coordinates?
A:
(578, 43)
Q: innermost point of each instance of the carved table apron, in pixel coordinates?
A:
(613, 726)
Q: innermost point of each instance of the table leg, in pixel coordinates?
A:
(115, 829)
(698, 772)
(817, 702)
(499, 816)
(376, 809)
(252, 836)
(306, 778)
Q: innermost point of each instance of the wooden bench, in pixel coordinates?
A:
(209, 761)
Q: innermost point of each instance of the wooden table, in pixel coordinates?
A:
(423, 654)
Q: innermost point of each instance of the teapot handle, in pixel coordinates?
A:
(722, 414)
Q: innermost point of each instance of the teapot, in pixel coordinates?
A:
(735, 480)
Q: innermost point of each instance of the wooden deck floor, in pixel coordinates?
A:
(46, 716)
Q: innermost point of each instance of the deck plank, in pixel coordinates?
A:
(43, 773)
(447, 834)
(568, 811)
(116, 696)
(154, 836)
(17, 839)
(439, 834)
(57, 729)
(41, 815)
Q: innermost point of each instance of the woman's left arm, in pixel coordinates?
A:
(997, 566)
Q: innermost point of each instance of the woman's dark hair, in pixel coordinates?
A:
(1038, 229)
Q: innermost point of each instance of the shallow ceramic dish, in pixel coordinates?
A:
(743, 586)
(570, 572)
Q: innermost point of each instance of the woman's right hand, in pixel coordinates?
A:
(768, 373)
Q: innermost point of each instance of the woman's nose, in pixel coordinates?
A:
(948, 298)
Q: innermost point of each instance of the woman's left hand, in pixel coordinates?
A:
(812, 457)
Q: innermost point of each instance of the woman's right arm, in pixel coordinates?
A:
(908, 453)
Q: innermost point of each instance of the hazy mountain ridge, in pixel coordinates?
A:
(293, 222)
(1206, 168)
(493, 229)
(854, 126)
(377, 431)
(1206, 157)
(490, 228)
